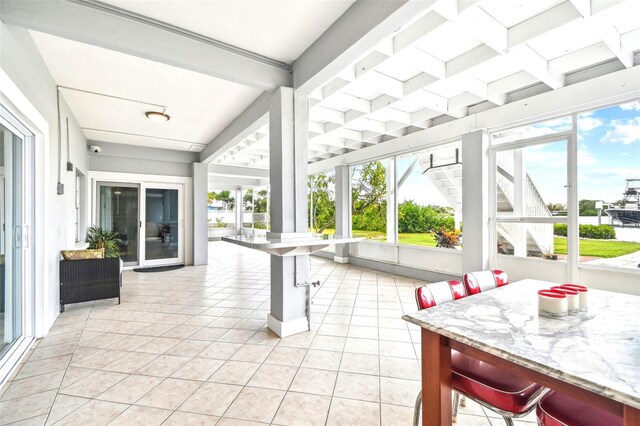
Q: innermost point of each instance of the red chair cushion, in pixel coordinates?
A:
(558, 409)
(424, 298)
(458, 290)
(497, 387)
(501, 277)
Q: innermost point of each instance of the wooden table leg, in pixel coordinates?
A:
(436, 380)
(631, 416)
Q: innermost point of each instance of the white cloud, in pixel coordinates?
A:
(585, 157)
(631, 106)
(623, 131)
(588, 123)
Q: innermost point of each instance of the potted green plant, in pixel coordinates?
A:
(99, 238)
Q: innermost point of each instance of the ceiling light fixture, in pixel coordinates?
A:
(157, 116)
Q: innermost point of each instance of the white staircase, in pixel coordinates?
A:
(448, 180)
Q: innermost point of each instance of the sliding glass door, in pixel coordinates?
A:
(162, 225)
(118, 210)
(16, 281)
(148, 219)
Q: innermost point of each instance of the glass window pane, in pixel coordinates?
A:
(221, 209)
(555, 125)
(429, 186)
(322, 203)
(369, 194)
(609, 185)
(119, 212)
(161, 226)
(11, 214)
(261, 208)
(532, 182)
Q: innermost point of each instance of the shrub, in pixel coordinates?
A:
(560, 229)
(447, 239)
(597, 232)
(414, 218)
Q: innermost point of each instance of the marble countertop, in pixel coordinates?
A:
(307, 243)
(598, 350)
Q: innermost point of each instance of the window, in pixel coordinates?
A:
(261, 208)
(322, 203)
(221, 209)
(372, 204)
(255, 202)
(429, 185)
(530, 179)
(608, 186)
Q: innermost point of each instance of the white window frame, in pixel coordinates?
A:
(570, 137)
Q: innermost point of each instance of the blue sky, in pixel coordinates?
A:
(608, 153)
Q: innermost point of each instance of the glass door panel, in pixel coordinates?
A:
(118, 210)
(162, 230)
(12, 290)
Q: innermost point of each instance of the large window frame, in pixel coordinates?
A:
(570, 219)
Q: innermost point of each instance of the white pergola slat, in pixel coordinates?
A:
(415, 79)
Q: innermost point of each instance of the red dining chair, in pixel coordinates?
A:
(508, 395)
(559, 409)
(477, 282)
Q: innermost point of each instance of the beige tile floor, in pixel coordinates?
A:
(190, 347)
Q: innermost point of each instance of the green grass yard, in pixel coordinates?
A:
(598, 248)
(593, 248)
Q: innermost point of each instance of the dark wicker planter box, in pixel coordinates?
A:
(90, 279)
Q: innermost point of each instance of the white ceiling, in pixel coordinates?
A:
(448, 63)
(278, 29)
(200, 106)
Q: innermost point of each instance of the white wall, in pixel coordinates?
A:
(122, 158)
(22, 63)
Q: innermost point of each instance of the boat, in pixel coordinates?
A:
(628, 213)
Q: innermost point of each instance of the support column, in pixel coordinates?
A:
(475, 201)
(343, 211)
(239, 211)
(200, 225)
(288, 157)
(391, 201)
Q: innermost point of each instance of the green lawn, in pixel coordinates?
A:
(598, 248)
(595, 248)
(425, 239)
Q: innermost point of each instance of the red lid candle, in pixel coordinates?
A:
(552, 303)
(583, 294)
(573, 299)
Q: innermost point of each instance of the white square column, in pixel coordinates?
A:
(200, 223)
(288, 158)
(343, 211)
(475, 201)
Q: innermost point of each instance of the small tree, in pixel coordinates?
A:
(369, 197)
(322, 204)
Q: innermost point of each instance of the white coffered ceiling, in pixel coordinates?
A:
(452, 62)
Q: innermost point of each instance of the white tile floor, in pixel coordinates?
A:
(191, 347)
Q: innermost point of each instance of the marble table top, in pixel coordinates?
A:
(305, 244)
(598, 350)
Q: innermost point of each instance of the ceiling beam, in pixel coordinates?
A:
(350, 37)
(247, 123)
(99, 24)
(248, 172)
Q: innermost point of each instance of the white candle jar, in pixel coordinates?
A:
(552, 303)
